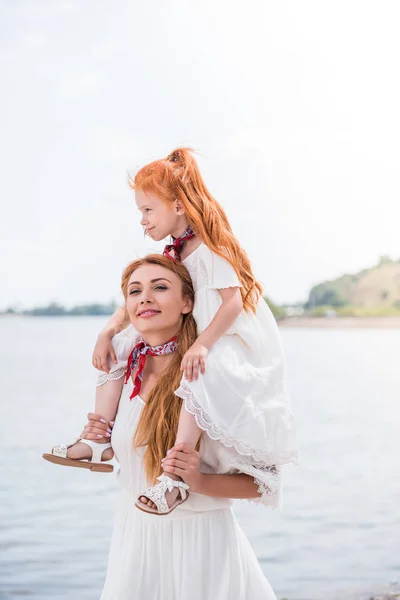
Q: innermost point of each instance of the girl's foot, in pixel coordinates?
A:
(165, 496)
(170, 497)
(80, 451)
(95, 457)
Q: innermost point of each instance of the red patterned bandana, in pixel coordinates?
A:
(138, 356)
(173, 250)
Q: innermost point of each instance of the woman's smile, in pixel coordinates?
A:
(148, 312)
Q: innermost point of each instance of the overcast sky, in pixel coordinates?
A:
(292, 105)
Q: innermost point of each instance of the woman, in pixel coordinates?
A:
(197, 552)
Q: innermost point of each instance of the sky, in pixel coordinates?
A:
(292, 106)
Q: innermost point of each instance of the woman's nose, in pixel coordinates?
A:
(143, 221)
(146, 298)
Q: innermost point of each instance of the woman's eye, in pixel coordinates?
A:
(161, 287)
(147, 209)
(133, 292)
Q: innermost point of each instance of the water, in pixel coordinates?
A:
(340, 527)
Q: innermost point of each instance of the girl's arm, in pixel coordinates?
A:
(225, 316)
(184, 461)
(104, 348)
(115, 323)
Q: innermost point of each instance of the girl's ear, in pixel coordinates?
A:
(178, 207)
(188, 305)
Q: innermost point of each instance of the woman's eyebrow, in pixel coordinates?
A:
(160, 279)
(152, 281)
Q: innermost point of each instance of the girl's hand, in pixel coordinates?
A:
(184, 461)
(102, 350)
(192, 360)
(97, 429)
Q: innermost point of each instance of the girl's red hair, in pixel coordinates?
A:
(178, 177)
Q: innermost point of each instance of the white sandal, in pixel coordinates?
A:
(58, 456)
(156, 494)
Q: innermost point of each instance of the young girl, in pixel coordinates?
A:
(233, 385)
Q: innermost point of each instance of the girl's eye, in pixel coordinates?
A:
(161, 287)
(133, 292)
(147, 209)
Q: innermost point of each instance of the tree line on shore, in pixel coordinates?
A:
(372, 292)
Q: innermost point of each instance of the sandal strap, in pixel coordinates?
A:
(97, 449)
(157, 492)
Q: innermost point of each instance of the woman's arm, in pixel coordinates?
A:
(228, 486)
(224, 318)
(184, 461)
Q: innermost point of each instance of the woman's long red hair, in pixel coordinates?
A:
(158, 422)
(178, 177)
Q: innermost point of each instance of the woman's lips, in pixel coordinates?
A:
(146, 314)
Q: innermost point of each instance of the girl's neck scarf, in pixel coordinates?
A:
(138, 357)
(173, 250)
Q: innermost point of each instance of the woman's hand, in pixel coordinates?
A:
(193, 359)
(97, 429)
(102, 350)
(184, 461)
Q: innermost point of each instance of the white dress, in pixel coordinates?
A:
(198, 552)
(241, 400)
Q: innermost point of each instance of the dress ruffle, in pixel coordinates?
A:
(204, 422)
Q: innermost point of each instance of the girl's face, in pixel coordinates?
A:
(155, 303)
(160, 219)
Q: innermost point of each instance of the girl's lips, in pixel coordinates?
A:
(146, 314)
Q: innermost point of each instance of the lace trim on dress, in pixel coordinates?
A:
(269, 487)
(216, 433)
(102, 378)
(268, 479)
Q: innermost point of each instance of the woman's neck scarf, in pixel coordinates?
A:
(138, 357)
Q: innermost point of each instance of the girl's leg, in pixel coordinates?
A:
(188, 433)
(106, 404)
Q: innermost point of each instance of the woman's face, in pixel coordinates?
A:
(155, 303)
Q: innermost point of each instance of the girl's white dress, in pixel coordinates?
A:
(241, 400)
(198, 552)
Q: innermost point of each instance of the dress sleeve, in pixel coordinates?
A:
(269, 484)
(123, 343)
(268, 478)
(221, 274)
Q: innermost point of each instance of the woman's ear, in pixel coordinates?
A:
(187, 306)
(178, 207)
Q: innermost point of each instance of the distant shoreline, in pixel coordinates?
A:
(293, 322)
(342, 322)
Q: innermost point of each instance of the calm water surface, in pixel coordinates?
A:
(340, 527)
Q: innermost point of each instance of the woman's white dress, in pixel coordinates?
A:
(198, 552)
